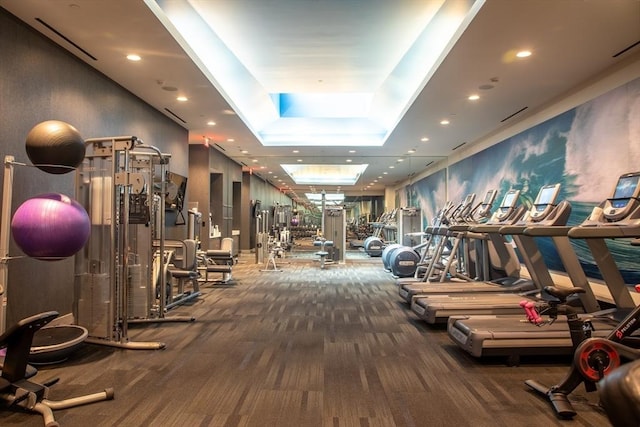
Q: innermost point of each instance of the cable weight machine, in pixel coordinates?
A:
(115, 184)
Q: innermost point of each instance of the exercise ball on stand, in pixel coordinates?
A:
(53, 226)
(55, 147)
(50, 227)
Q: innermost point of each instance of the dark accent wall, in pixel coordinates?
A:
(212, 177)
(268, 195)
(40, 81)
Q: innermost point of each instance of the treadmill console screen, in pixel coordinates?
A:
(547, 196)
(469, 199)
(508, 204)
(545, 200)
(625, 189)
(509, 200)
(625, 197)
(489, 197)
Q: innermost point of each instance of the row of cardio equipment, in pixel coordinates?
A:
(468, 277)
(410, 261)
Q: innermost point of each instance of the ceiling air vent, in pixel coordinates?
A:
(175, 115)
(626, 49)
(514, 114)
(67, 39)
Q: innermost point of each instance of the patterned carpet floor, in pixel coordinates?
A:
(301, 347)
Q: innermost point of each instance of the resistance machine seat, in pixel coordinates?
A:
(220, 261)
(16, 391)
(184, 269)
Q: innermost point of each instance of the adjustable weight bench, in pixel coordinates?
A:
(16, 391)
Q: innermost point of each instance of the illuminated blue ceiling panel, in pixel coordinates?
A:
(371, 96)
(325, 105)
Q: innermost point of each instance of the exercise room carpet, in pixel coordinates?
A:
(302, 347)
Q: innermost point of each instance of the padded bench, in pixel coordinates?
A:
(220, 261)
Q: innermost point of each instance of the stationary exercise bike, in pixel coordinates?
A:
(594, 358)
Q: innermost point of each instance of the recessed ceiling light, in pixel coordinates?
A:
(245, 151)
(254, 160)
(392, 167)
(211, 123)
(473, 97)
(352, 151)
(400, 160)
(523, 54)
(182, 99)
(299, 160)
(424, 139)
(411, 151)
(385, 173)
(134, 57)
(230, 140)
(349, 160)
(296, 151)
(444, 122)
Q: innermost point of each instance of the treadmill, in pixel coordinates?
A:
(544, 211)
(616, 217)
(506, 213)
(437, 308)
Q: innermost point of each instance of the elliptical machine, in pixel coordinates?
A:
(375, 244)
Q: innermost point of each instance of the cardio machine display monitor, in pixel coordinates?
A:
(490, 197)
(176, 190)
(469, 199)
(509, 202)
(625, 197)
(509, 199)
(545, 200)
(483, 210)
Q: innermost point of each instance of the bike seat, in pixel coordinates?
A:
(563, 293)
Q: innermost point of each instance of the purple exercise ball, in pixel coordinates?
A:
(55, 147)
(50, 227)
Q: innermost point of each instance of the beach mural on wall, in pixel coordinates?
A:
(584, 149)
